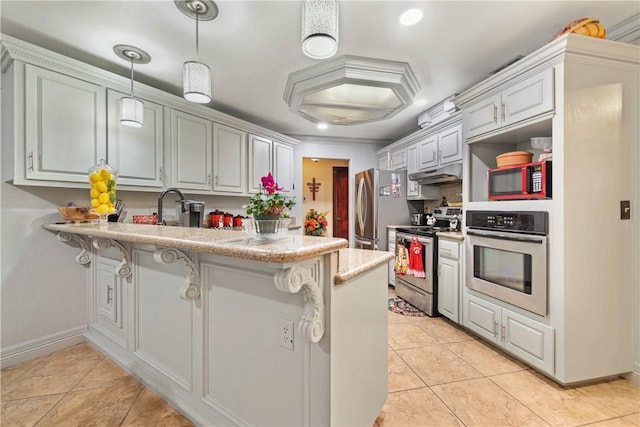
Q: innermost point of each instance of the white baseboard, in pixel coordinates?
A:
(634, 377)
(29, 350)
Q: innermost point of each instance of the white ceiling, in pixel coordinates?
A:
(252, 46)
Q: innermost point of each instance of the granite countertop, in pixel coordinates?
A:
(453, 235)
(353, 262)
(232, 243)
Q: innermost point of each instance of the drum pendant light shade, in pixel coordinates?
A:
(131, 112)
(320, 28)
(196, 82)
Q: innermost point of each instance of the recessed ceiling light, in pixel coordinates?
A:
(411, 17)
(420, 102)
(322, 126)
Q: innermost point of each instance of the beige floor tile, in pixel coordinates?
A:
(485, 358)
(616, 422)
(408, 335)
(555, 404)
(634, 418)
(437, 364)
(27, 412)
(13, 373)
(104, 374)
(57, 373)
(150, 410)
(479, 402)
(621, 396)
(401, 377)
(393, 317)
(96, 407)
(443, 330)
(416, 408)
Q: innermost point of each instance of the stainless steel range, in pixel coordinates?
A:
(416, 259)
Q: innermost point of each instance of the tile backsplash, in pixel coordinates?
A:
(452, 192)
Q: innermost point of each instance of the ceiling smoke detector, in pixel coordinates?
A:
(351, 90)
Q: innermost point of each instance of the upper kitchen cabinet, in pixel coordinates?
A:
(229, 159)
(266, 155)
(191, 151)
(136, 153)
(399, 158)
(440, 149)
(415, 191)
(513, 104)
(63, 121)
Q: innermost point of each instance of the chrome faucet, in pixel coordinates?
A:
(161, 196)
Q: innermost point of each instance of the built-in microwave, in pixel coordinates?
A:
(526, 181)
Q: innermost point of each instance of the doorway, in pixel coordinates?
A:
(341, 202)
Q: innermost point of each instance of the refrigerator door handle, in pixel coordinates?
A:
(359, 205)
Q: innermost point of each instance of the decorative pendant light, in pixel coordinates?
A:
(131, 108)
(320, 28)
(196, 76)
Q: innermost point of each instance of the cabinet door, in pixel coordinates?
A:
(64, 126)
(283, 166)
(399, 159)
(482, 317)
(259, 161)
(413, 188)
(450, 145)
(448, 281)
(428, 153)
(109, 301)
(531, 341)
(529, 98)
(230, 159)
(482, 116)
(191, 148)
(136, 153)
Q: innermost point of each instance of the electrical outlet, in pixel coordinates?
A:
(286, 334)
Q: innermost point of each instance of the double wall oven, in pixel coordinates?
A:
(416, 260)
(506, 257)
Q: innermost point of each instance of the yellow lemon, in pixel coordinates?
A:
(94, 203)
(102, 209)
(101, 187)
(94, 193)
(95, 177)
(103, 198)
(105, 174)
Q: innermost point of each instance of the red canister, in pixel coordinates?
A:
(237, 220)
(215, 218)
(227, 219)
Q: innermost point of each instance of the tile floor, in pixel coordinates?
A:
(438, 376)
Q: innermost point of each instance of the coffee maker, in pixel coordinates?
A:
(190, 213)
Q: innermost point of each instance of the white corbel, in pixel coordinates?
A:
(124, 268)
(191, 291)
(291, 280)
(84, 256)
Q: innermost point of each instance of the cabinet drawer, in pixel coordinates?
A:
(449, 249)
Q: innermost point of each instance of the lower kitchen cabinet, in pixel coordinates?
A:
(525, 338)
(449, 274)
(109, 301)
(391, 247)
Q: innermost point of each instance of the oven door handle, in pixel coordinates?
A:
(364, 242)
(503, 236)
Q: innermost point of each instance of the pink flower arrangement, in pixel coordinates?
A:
(269, 201)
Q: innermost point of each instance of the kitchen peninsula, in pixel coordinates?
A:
(237, 331)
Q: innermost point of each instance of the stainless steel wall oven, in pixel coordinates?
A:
(506, 257)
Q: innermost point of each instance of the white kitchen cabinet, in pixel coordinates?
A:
(191, 151)
(391, 247)
(416, 191)
(531, 341)
(109, 301)
(440, 149)
(64, 126)
(526, 99)
(449, 274)
(266, 155)
(229, 159)
(136, 153)
(399, 158)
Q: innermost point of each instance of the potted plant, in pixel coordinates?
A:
(315, 223)
(268, 205)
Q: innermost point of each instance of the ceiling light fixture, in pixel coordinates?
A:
(410, 17)
(196, 76)
(322, 126)
(320, 28)
(131, 108)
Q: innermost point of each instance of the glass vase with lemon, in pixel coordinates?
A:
(103, 180)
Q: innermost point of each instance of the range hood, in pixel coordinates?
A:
(443, 175)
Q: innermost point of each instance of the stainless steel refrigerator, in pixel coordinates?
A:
(381, 200)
